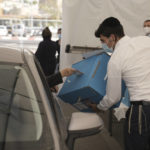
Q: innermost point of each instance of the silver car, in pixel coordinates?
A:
(30, 117)
(3, 30)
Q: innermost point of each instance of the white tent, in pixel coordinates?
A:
(82, 17)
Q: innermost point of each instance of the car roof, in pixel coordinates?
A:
(11, 55)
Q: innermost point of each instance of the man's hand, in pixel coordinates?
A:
(93, 106)
(54, 89)
(67, 72)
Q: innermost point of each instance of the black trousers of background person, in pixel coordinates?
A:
(136, 139)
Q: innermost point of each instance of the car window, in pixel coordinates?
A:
(23, 122)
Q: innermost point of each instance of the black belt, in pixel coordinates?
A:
(144, 103)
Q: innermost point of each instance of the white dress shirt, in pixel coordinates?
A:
(130, 61)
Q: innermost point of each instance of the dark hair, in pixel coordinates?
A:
(46, 33)
(110, 26)
(146, 20)
(59, 29)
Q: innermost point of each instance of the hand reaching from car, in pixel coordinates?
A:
(67, 72)
(93, 106)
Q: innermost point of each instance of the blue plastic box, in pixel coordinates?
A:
(91, 84)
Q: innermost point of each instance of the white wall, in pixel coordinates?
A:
(82, 17)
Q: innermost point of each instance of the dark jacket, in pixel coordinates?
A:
(46, 55)
(54, 79)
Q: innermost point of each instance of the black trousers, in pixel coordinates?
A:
(137, 128)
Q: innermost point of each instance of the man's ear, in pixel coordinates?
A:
(112, 37)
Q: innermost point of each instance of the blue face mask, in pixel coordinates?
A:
(106, 48)
(59, 36)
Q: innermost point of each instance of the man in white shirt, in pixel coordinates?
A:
(130, 62)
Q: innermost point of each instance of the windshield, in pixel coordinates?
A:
(23, 122)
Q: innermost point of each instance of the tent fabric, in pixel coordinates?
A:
(82, 17)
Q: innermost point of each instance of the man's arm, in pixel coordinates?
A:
(56, 78)
(113, 88)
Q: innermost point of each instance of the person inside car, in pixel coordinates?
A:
(57, 78)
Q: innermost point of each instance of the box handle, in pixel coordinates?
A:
(98, 64)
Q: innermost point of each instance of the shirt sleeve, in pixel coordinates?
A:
(113, 87)
(54, 79)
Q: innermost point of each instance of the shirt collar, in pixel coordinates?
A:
(123, 40)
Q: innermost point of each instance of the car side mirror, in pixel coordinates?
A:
(83, 124)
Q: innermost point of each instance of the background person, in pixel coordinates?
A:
(46, 53)
(58, 42)
(146, 26)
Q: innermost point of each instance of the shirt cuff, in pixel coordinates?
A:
(101, 107)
